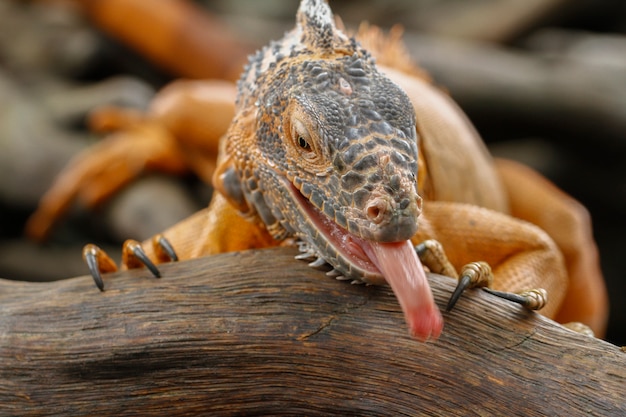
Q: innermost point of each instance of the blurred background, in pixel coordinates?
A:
(544, 81)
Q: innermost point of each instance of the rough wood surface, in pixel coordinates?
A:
(260, 333)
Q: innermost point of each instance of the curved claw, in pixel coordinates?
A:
(98, 261)
(141, 255)
(163, 248)
(464, 283)
(534, 299)
(92, 263)
(475, 274)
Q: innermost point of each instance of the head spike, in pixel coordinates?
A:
(316, 23)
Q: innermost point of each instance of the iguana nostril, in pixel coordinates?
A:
(376, 210)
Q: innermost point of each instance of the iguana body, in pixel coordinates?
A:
(330, 149)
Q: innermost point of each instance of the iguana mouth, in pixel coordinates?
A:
(351, 247)
(377, 262)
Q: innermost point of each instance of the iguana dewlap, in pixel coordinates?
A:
(335, 148)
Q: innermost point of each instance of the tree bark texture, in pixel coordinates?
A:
(260, 333)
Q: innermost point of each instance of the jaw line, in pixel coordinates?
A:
(347, 245)
(406, 274)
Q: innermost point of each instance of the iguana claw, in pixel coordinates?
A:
(479, 275)
(464, 283)
(92, 263)
(98, 262)
(473, 275)
(534, 299)
(133, 256)
(163, 249)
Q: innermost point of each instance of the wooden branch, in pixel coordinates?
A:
(260, 333)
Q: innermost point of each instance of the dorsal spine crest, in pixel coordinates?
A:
(315, 20)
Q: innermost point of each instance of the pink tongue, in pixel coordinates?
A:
(403, 270)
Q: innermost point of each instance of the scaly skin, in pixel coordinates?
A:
(322, 126)
(324, 148)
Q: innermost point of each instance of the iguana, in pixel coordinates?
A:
(342, 146)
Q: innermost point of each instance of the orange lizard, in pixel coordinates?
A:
(346, 149)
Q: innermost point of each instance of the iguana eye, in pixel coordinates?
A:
(303, 143)
(302, 139)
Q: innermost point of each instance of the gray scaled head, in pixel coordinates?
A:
(334, 149)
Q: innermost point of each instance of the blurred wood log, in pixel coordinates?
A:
(581, 99)
(491, 20)
(260, 333)
(590, 49)
(179, 35)
(33, 148)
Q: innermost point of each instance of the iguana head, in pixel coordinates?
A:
(323, 148)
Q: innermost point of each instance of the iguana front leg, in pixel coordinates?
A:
(216, 229)
(476, 274)
(133, 256)
(535, 199)
(521, 255)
